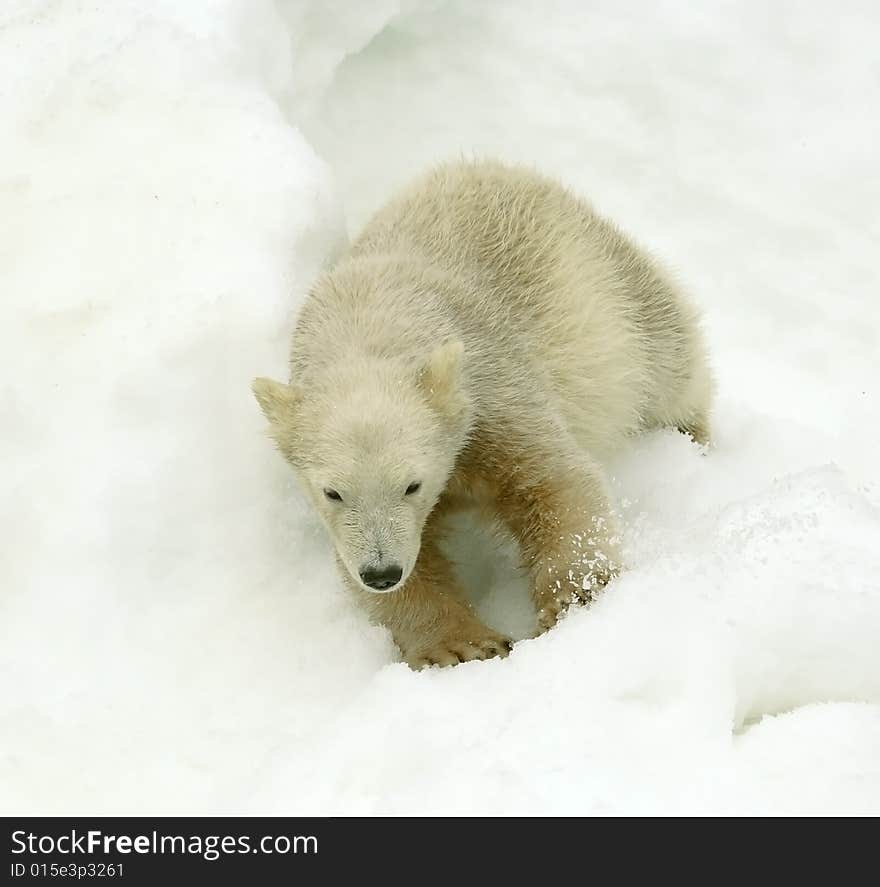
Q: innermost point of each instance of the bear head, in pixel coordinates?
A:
(373, 441)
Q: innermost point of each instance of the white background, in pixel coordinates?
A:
(173, 637)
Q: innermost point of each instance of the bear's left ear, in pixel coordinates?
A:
(439, 379)
(278, 402)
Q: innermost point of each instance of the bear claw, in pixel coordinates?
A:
(455, 652)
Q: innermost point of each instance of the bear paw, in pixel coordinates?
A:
(553, 602)
(452, 651)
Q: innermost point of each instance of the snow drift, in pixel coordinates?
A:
(173, 637)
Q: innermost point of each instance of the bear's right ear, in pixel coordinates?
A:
(439, 378)
(278, 402)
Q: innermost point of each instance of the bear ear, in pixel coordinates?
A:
(439, 379)
(278, 402)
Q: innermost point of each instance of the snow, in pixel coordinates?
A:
(173, 636)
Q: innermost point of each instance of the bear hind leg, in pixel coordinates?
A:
(696, 428)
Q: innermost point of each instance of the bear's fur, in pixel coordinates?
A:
(488, 338)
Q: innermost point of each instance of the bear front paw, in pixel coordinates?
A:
(554, 599)
(454, 650)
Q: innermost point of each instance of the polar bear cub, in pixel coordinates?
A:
(487, 339)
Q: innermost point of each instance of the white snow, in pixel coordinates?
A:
(173, 637)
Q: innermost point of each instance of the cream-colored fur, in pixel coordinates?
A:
(489, 338)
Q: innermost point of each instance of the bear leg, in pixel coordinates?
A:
(429, 619)
(557, 508)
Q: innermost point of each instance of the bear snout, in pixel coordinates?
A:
(381, 579)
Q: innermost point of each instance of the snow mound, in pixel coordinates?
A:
(173, 637)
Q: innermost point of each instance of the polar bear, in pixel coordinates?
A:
(486, 340)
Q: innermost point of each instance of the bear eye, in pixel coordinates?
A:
(332, 494)
(414, 487)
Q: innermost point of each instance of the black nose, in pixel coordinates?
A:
(383, 578)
